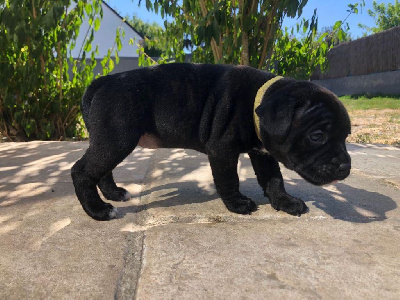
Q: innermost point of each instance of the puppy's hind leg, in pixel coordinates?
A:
(111, 191)
(270, 179)
(103, 155)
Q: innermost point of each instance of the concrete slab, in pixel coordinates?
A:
(176, 240)
(272, 259)
(193, 248)
(49, 247)
(380, 162)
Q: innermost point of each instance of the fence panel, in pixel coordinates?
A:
(379, 52)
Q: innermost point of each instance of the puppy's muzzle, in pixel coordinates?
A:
(344, 168)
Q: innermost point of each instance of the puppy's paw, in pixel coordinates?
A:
(120, 195)
(240, 205)
(127, 196)
(289, 204)
(104, 212)
(113, 214)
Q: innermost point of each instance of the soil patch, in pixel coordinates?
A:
(375, 126)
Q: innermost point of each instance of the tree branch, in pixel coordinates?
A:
(245, 55)
(268, 34)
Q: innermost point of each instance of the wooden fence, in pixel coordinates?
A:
(379, 52)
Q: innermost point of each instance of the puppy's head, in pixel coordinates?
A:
(305, 126)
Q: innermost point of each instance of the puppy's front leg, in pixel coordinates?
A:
(269, 177)
(226, 180)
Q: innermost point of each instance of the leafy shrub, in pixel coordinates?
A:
(41, 85)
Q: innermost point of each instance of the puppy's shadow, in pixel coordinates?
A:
(176, 194)
(341, 202)
(344, 202)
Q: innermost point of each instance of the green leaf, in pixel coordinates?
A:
(149, 5)
(208, 34)
(337, 25)
(305, 26)
(215, 31)
(341, 34)
(88, 47)
(186, 5)
(111, 64)
(116, 57)
(322, 37)
(88, 9)
(96, 24)
(301, 6)
(200, 34)
(324, 47)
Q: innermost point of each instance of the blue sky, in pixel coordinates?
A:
(329, 11)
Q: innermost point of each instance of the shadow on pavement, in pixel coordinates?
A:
(31, 172)
(34, 171)
(345, 202)
(340, 201)
(183, 177)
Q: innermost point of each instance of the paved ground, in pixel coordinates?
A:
(176, 240)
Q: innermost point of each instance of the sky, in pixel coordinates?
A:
(329, 11)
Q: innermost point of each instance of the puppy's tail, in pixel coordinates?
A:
(87, 100)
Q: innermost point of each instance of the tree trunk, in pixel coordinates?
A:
(245, 55)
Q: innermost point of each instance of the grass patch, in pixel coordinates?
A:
(365, 102)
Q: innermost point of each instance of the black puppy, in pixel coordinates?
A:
(221, 111)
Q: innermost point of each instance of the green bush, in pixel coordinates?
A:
(41, 86)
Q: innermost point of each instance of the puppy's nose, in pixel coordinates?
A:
(344, 167)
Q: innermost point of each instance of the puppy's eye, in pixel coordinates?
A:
(317, 136)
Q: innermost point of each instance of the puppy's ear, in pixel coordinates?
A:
(276, 113)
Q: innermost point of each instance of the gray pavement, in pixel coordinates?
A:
(176, 240)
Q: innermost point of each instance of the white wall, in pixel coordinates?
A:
(106, 34)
